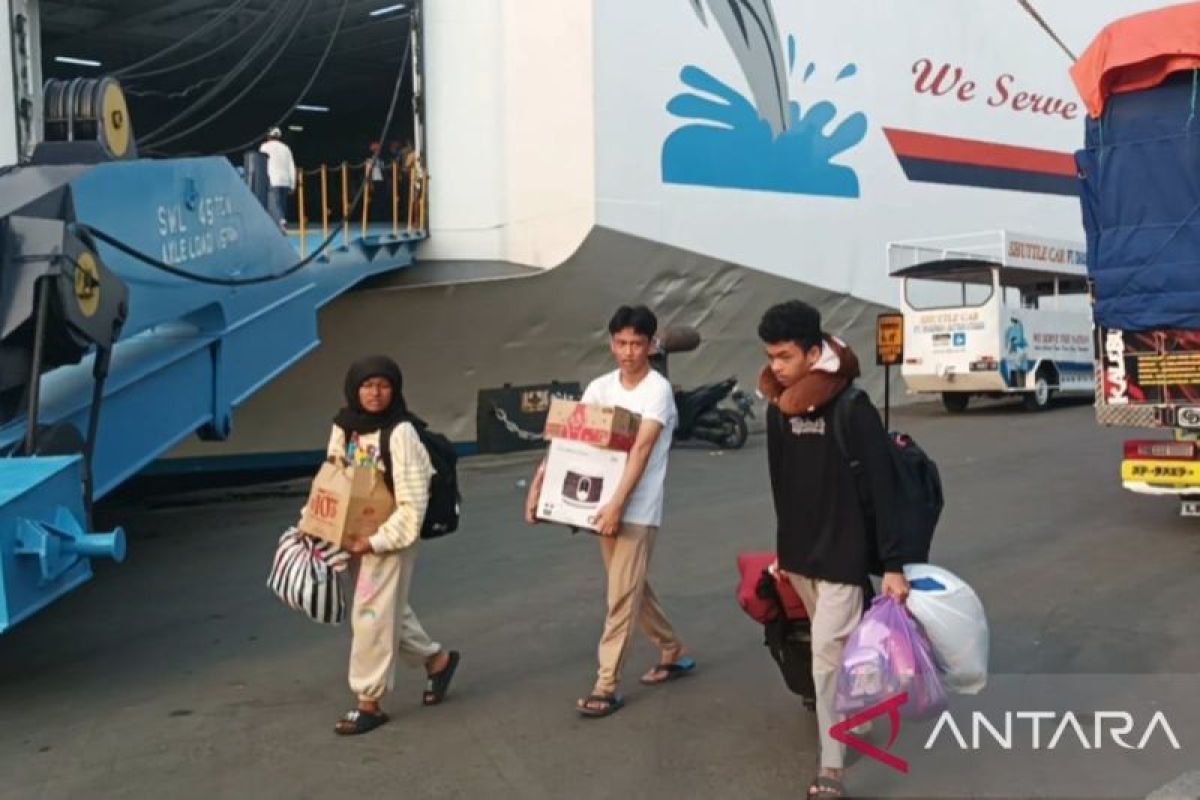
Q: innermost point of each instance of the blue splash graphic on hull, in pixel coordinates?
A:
(728, 145)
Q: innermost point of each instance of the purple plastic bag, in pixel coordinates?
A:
(888, 654)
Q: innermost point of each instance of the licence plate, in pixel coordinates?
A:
(1189, 508)
(1162, 473)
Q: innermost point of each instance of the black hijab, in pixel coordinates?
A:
(353, 418)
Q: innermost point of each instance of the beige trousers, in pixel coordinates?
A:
(630, 600)
(383, 623)
(834, 609)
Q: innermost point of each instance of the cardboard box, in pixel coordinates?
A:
(608, 427)
(579, 479)
(346, 502)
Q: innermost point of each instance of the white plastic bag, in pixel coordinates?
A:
(954, 620)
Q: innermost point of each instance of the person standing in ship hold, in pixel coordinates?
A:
(385, 560)
(380, 203)
(281, 173)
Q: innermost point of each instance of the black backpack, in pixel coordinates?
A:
(442, 513)
(919, 499)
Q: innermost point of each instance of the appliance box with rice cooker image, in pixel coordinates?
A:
(579, 480)
(588, 450)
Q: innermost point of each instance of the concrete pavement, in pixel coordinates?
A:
(178, 674)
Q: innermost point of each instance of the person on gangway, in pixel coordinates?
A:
(281, 172)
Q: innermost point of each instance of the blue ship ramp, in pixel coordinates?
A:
(141, 302)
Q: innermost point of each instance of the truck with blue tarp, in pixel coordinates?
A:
(1139, 175)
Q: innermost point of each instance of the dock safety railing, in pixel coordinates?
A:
(391, 194)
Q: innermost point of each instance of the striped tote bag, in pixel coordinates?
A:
(304, 576)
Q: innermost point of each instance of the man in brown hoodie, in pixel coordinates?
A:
(826, 542)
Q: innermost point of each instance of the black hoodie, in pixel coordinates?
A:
(822, 530)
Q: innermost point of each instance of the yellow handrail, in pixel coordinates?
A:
(302, 214)
(395, 198)
(345, 204)
(411, 215)
(424, 200)
(324, 203)
(366, 196)
(412, 196)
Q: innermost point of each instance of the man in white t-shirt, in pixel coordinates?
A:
(281, 173)
(629, 523)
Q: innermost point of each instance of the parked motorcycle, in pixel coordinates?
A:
(701, 415)
(703, 411)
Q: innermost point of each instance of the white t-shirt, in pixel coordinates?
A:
(653, 399)
(281, 170)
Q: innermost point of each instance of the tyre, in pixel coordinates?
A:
(736, 429)
(955, 402)
(1039, 398)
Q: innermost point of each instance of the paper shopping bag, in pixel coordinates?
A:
(346, 502)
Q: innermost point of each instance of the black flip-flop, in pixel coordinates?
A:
(439, 682)
(360, 722)
(612, 704)
(823, 788)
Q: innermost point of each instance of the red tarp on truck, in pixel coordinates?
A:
(1138, 52)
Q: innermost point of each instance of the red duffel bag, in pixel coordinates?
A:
(760, 594)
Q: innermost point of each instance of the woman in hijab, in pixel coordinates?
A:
(382, 621)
